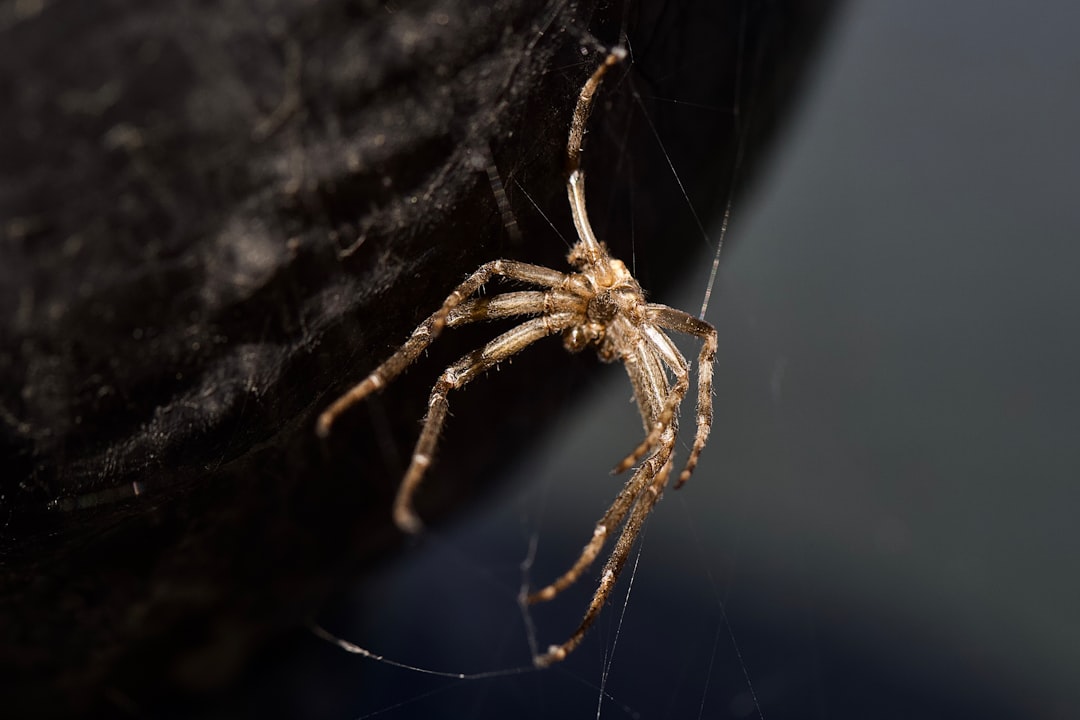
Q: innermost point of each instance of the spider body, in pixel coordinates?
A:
(599, 305)
(610, 305)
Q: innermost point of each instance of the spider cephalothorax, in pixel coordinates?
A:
(606, 299)
(599, 305)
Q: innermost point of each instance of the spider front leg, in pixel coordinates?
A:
(454, 377)
(426, 332)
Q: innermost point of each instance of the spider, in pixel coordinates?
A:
(598, 305)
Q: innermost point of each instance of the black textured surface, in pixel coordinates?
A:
(215, 218)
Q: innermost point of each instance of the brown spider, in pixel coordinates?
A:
(599, 305)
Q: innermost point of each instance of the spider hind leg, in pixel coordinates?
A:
(658, 472)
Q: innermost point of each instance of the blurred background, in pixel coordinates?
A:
(883, 523)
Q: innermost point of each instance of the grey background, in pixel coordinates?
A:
(884, 519)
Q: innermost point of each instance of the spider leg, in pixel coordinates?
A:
(426, 332)
(611, 520)
(683, 322)
(659, 470)
(671, 356)
(646, 376)
(584, 108)
(454, 377)
(511, 304)
(588, 244)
